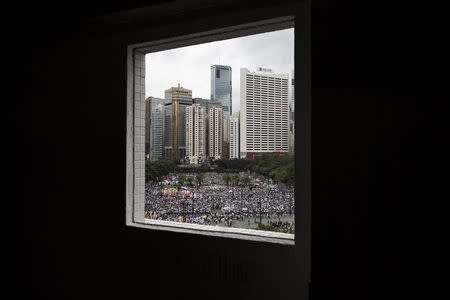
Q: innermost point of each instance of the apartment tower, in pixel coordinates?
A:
(215, 132)
(196, 133)
(226, 138)
(234, 136)
(207, 104)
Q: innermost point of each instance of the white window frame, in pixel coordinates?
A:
(135, 177)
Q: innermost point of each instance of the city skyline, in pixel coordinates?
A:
(274, 50)
(200, 179)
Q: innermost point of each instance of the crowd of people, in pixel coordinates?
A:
(282, 225)
(214, 202)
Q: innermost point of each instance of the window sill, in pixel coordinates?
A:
(219, 231)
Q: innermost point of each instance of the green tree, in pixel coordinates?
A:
(182, 179)
(236, 179)
(245, 180)
(199, 178)
(227, 179)
(154, 170)
(279, 168)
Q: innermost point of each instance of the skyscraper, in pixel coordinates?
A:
(234, 136)
(148, 107)
(156, 130)
(207, 104)
(264, 113)
(221, 87)
(226, 138)
(196, 133)
(215, 132)
(292, 119)
(176, 101)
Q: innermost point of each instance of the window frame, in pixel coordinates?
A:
(135, 178)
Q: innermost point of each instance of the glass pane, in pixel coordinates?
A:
(220, 137)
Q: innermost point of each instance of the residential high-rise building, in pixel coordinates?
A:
(226, 138)
(207, 104)
(215, 132)
(176, 101)
(156, 129)
(292, 119)
(196, 133)
(221, 87)
(234, 136)
(264, 113)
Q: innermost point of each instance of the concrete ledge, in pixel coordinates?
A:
(228, 232)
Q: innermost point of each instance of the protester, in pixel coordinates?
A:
(215, 203)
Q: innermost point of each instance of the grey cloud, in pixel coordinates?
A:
(190, 66)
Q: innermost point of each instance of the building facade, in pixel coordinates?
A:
(264, 113)
(234, 136)
(156, 130)
(226, 138)
(215, 132)
(196, 133)
(207, 104)
(292, 100)
(176, 101)
(292, 119)
(221, 88)
(147, 125)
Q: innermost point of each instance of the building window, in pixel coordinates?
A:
(258, 206)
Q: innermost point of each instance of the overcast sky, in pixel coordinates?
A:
(191, 66)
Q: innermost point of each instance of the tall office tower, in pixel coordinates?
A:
(176, 101)
(226, 138)
(196, 133)
(147, 125)
(156, 128)
(150, 102)
(207, 104)
(264, 113)
(221, 87)
(215, 132)
(234, 136)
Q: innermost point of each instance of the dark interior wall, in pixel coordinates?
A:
(77, 246)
